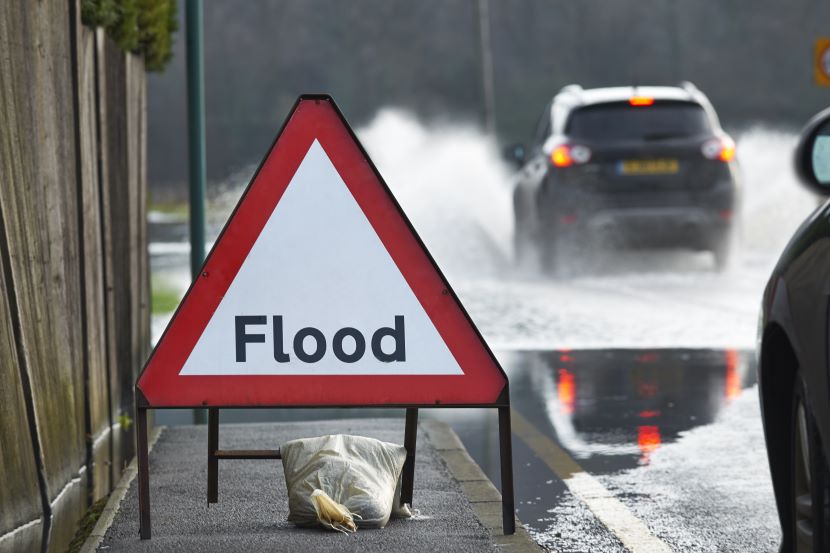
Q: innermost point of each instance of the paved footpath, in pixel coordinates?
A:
(460, 509)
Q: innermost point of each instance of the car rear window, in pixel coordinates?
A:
(622, 121)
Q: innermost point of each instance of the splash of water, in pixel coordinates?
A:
(774, 203)
(453, 186)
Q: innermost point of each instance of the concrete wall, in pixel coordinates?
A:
(74, 290)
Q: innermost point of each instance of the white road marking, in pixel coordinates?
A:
(631, 531)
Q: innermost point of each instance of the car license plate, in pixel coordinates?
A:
(648, 166)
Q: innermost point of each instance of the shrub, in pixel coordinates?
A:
(144, 27)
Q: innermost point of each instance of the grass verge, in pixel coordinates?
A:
(165, 298)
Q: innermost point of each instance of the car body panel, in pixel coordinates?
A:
(797, 299)
(795, 316)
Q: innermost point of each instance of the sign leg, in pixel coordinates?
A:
(143, 474)
(409, 441)
(506, 447)
(213, 461)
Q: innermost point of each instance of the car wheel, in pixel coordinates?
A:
(523, 243)
(723, 252)
(810, 481)
(557, 258)
(550, 256)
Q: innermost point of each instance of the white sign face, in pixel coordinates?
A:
(319, 295)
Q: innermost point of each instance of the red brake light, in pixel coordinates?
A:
(561, 156)
(566, 155)
(722, 148)
(641, 101)
(727, 152)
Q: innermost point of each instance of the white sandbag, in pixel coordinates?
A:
(359, 473)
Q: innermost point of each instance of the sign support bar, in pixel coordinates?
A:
(143, 473)
(506, 456)
(213, 460)
(409, 442)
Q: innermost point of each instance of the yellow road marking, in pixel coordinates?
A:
(631, 531)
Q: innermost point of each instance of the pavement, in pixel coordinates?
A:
(459, 509)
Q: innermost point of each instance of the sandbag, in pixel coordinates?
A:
(358, 473)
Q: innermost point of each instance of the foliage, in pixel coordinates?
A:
(125, 29)
(99, 13)
(125, 420)
(87, 524)
(144, 27)
(157, 22)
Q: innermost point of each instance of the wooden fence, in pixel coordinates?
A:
(74, 287)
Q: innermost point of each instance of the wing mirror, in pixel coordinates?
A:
(516, 154)
(812, 155)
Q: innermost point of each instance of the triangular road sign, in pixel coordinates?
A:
(319, 292)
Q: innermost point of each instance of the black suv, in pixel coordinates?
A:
(633, 167)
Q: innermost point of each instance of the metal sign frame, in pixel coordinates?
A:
(502, 403)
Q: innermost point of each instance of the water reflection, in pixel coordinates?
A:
(626, 403)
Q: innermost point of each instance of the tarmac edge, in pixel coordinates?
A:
(483, 496)
(114, 502)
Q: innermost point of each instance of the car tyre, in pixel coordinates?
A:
(557, 258)
(722, 252)
(522, 244)
(549, 257)
(810, 479)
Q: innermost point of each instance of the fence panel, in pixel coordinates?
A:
(41, 226)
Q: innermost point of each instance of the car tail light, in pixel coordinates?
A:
(566, 155)
(641, 100)
(722, 148)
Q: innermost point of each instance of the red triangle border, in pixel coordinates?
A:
(483, 383)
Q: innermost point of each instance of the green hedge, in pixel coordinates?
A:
(142, 26)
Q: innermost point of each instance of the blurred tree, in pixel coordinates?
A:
(142, 26)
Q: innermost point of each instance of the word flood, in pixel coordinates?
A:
(308, 353)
